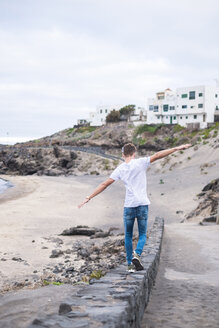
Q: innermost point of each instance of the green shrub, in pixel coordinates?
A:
(127, 110)
(86, 129)
(206, 134)
(178, 128)
(97, 274)
(141, 141)
(170, 140)
(215, 134)
(193, 133)
(116, 162)
(106, 165)
(147, 128)
(56, 283)
(69, 131)
(113, 116)
(94, 173)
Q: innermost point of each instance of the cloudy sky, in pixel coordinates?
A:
(59, 59)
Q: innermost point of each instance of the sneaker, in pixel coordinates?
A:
(131, 268)
(136, 261)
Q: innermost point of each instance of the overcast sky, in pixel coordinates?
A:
(59, 59)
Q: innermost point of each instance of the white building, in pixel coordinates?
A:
(199, 104)
(82, 121)
(98, 118)
(139, 116)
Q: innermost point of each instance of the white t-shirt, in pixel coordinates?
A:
(133, 174)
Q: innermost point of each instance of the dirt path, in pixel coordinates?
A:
(187, 285)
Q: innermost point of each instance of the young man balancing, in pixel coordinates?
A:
(133, 173)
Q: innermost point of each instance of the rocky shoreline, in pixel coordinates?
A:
(116, 300)
(89, 258)
(55, 161)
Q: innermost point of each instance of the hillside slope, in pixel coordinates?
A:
(115, 135)
(84, 150)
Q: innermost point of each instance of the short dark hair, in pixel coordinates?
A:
(128, 149)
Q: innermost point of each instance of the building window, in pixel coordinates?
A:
(105, 110)
(172, 107)
(200, 105)
(156, 108)
(192, 95)
(184, 95)
(165, 108)
(160, 95)
(181, 117)
(174, 117)
(101, 111)
(216, 95)
(195, 116)
(217, 108)
(151, 107)
(158, 117)
(166, 116)
(186, 117)
(184, 106)
(200, 94)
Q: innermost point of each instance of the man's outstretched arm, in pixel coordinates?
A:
(166, 152)
(97, 191)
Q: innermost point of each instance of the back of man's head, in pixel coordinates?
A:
(128, 149)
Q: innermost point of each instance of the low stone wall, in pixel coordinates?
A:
(117, 300)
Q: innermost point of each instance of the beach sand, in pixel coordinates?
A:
(37, 210)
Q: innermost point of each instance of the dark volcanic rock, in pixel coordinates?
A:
(70, 269)
(80, 230)
(209, 201)
(64, 308)
(18, 259)
(84, 252)
(210, 219)
(32, 160)
(56, 253)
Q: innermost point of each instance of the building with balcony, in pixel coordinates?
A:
(189, 105)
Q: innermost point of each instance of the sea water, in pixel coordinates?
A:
(4, 185)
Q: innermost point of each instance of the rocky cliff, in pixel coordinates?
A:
(209, 201)
(90, 150)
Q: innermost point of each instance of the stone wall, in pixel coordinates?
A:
(117, 300)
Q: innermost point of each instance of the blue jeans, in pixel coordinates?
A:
(130, 213)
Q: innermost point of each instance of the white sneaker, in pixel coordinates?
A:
(136, 261)
(131, 268)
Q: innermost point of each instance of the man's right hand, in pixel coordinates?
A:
(183, 147)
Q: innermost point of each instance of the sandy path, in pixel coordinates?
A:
(187, 286)
(37, 210)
